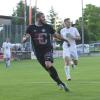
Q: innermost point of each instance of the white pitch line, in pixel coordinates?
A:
(92, 82)
(50, 83)
(41, 82)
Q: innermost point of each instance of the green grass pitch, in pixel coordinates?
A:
(27, 80)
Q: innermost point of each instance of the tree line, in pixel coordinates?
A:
(91, 19)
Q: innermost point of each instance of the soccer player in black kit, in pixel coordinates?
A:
(41, 35)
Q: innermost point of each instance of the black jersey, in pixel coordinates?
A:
(41, 36)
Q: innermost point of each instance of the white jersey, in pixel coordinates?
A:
(68, 33)
(7, 49)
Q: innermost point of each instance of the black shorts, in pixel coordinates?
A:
(43, 56)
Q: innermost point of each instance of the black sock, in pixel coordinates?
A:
(54, 75)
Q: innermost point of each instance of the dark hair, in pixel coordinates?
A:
(39, 14)
(66, 19)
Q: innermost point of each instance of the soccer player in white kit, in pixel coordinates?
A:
(69, 53)
(7, 52)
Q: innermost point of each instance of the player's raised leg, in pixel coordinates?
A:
(46, 60)
(74, 57)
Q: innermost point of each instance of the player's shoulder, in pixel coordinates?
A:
(63, 29)
(4, 42)
(31, 26)
(48, 25)
(73, 28)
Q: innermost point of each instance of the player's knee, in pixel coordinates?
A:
(67, 61)
(48, 64)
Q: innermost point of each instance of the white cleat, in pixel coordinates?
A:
(69, 78)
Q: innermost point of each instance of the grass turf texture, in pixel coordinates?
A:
(27, 80)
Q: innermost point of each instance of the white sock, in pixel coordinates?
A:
(8, 62)
(67, 71)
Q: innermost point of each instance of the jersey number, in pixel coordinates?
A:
(41, 38)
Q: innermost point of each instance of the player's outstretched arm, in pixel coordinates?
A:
(25, 37)
(76, 38)
(58, 36)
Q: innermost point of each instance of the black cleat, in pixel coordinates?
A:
(66, 88)
(63, 86)
(69, 79)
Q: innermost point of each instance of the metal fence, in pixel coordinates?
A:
(14, 32)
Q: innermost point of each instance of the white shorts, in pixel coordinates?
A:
(7, 55)
(70, 52)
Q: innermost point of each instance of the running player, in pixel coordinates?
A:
(41, 35)
(69, 53)
(7, 52)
